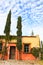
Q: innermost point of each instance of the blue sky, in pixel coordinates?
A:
(31, 12)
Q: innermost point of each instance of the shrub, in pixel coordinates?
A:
(35, 52)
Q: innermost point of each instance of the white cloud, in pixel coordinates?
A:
(2, 23)
(13, 26)
(38, 31)
(31, 12)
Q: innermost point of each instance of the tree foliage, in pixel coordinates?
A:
(35, 52)
(42, 51)
(32, 33)
(19, 33)
(7, 26)
(7, 32)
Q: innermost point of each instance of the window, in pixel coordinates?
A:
(26, 48)
(0, 46)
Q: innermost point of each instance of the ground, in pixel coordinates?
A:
(40, 62)
(19, 62)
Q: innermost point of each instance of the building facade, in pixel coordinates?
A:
(28, 42)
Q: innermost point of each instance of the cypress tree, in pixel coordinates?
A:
(19, 34)
(7, 26)
(7, 32)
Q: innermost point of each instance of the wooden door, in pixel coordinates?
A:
(12, 52)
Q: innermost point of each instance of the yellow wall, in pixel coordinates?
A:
(33, 40)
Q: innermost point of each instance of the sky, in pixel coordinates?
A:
(31, 12)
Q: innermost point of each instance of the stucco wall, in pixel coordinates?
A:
(33, 40)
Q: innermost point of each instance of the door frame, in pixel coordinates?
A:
(10, 51)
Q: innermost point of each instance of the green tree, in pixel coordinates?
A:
(41, 45)
(7, 26)
(42, 51)
(7, 32)
(19, 35)
(32, 33)
(35, 52)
